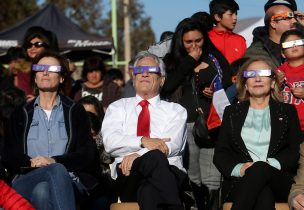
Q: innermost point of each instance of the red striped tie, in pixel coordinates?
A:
(143, 124)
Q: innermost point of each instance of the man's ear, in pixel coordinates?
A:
(273, 24)
(162, 81)
(283, 54)
(61, 79)
(217, 18)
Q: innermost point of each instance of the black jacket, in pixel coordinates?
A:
(80, 156)
(285, 139)
(263, 46)
(180, 79)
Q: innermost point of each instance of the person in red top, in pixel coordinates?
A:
(10, 199)
(292, 70)
(224, 15)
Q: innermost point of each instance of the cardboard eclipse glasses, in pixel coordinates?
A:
(43, 67)
(149, 69)
(255, 73)
(293, 43)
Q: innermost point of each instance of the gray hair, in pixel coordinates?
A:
(145, 54)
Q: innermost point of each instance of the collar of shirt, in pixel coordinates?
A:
(57, 104)
(221, 32)
(152, 101)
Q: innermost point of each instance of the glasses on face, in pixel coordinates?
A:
(43, 67)
(299, 17)
(289, 44)
(283, 16)
(255, 73)
(149, 69)
(36, 45)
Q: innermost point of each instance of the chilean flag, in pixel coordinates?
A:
(219, 102)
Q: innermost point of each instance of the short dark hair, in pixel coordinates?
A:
(112, 74)
(92, 100)
(295, 32)
(165, 35)
(93, 63)
(219, 7)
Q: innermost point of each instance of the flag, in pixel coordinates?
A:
(219, 102)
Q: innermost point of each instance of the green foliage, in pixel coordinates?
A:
(14, 11)
(142, 35)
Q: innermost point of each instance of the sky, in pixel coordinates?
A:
(166, 14)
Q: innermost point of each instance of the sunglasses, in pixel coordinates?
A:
(142, 69)
(36, 45)
(255, 73)
(283, 16)
(49, 68)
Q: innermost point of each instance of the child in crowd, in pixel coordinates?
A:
(292, 70)
(224, 15)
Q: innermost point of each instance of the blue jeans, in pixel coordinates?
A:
(47, 188)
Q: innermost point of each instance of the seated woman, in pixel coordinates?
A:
(49, 145)
(258, 147)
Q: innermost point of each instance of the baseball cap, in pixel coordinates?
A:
(289, 3)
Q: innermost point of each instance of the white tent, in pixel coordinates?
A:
(245, 27)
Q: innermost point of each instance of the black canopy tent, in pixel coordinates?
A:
(73, 41)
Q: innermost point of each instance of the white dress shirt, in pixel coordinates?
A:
(119, 129)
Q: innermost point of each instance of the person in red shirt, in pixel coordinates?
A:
(224, 15)
(292, 70)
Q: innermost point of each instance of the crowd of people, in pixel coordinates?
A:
(84, 144)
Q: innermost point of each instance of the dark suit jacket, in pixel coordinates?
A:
(285, 139)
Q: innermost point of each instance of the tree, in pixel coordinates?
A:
(142, 35)
(85, 13)
(14, 11)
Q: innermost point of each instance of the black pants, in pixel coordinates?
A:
(153, 183)
(260, 188)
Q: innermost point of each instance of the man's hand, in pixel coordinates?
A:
(298, 202)
(41, 161)
(127, 163)
(244, 168)
(155, 143)
(298, 92)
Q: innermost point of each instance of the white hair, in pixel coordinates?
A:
(145, 54)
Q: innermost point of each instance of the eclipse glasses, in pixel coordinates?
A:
(293, 43)
(149, 69)
(255, 73)
(43, 67)
(283, 16)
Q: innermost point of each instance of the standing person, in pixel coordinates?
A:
(258, 147)
(279, 17)
(35, 41)
(147, 141)
(292, 70)
(92, 78)
(191, 60)
(49, 145)
(224, 15)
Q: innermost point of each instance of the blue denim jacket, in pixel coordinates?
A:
(47, 137)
